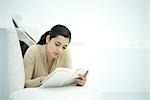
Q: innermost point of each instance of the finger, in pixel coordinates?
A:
(80, 82)
(86, 73)
(81, 77)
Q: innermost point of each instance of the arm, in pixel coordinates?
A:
(29, 62)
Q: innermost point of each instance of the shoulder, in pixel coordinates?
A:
(34, 49)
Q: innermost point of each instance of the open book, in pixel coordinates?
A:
(62, 77)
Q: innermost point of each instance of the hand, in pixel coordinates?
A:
(81, 80)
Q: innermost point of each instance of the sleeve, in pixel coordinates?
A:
(29, 62)
(65, 59)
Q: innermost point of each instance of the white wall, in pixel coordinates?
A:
(114, 33)
(115, 23)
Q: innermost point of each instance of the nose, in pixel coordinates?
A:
(59, 50)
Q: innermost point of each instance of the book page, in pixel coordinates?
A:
(59, 77)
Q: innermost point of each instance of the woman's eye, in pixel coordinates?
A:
(64, 47)
(56, 44)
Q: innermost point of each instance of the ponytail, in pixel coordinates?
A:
(42, 40)
(54, 32)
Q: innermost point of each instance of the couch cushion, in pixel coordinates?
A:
(16, 75)
(61, 93)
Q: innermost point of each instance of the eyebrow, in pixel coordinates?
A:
(61, 43)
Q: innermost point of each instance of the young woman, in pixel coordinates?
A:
(48, 54)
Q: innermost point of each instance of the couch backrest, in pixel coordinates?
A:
(25, 40)
(16, 75)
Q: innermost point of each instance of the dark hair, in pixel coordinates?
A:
(54, 32)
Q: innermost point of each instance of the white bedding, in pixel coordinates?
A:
(61, 93)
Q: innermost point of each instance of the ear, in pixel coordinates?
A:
(47, 38)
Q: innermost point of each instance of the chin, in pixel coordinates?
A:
(55, 56)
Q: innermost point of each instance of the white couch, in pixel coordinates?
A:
(16, 78)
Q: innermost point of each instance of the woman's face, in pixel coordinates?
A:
(56, 46)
